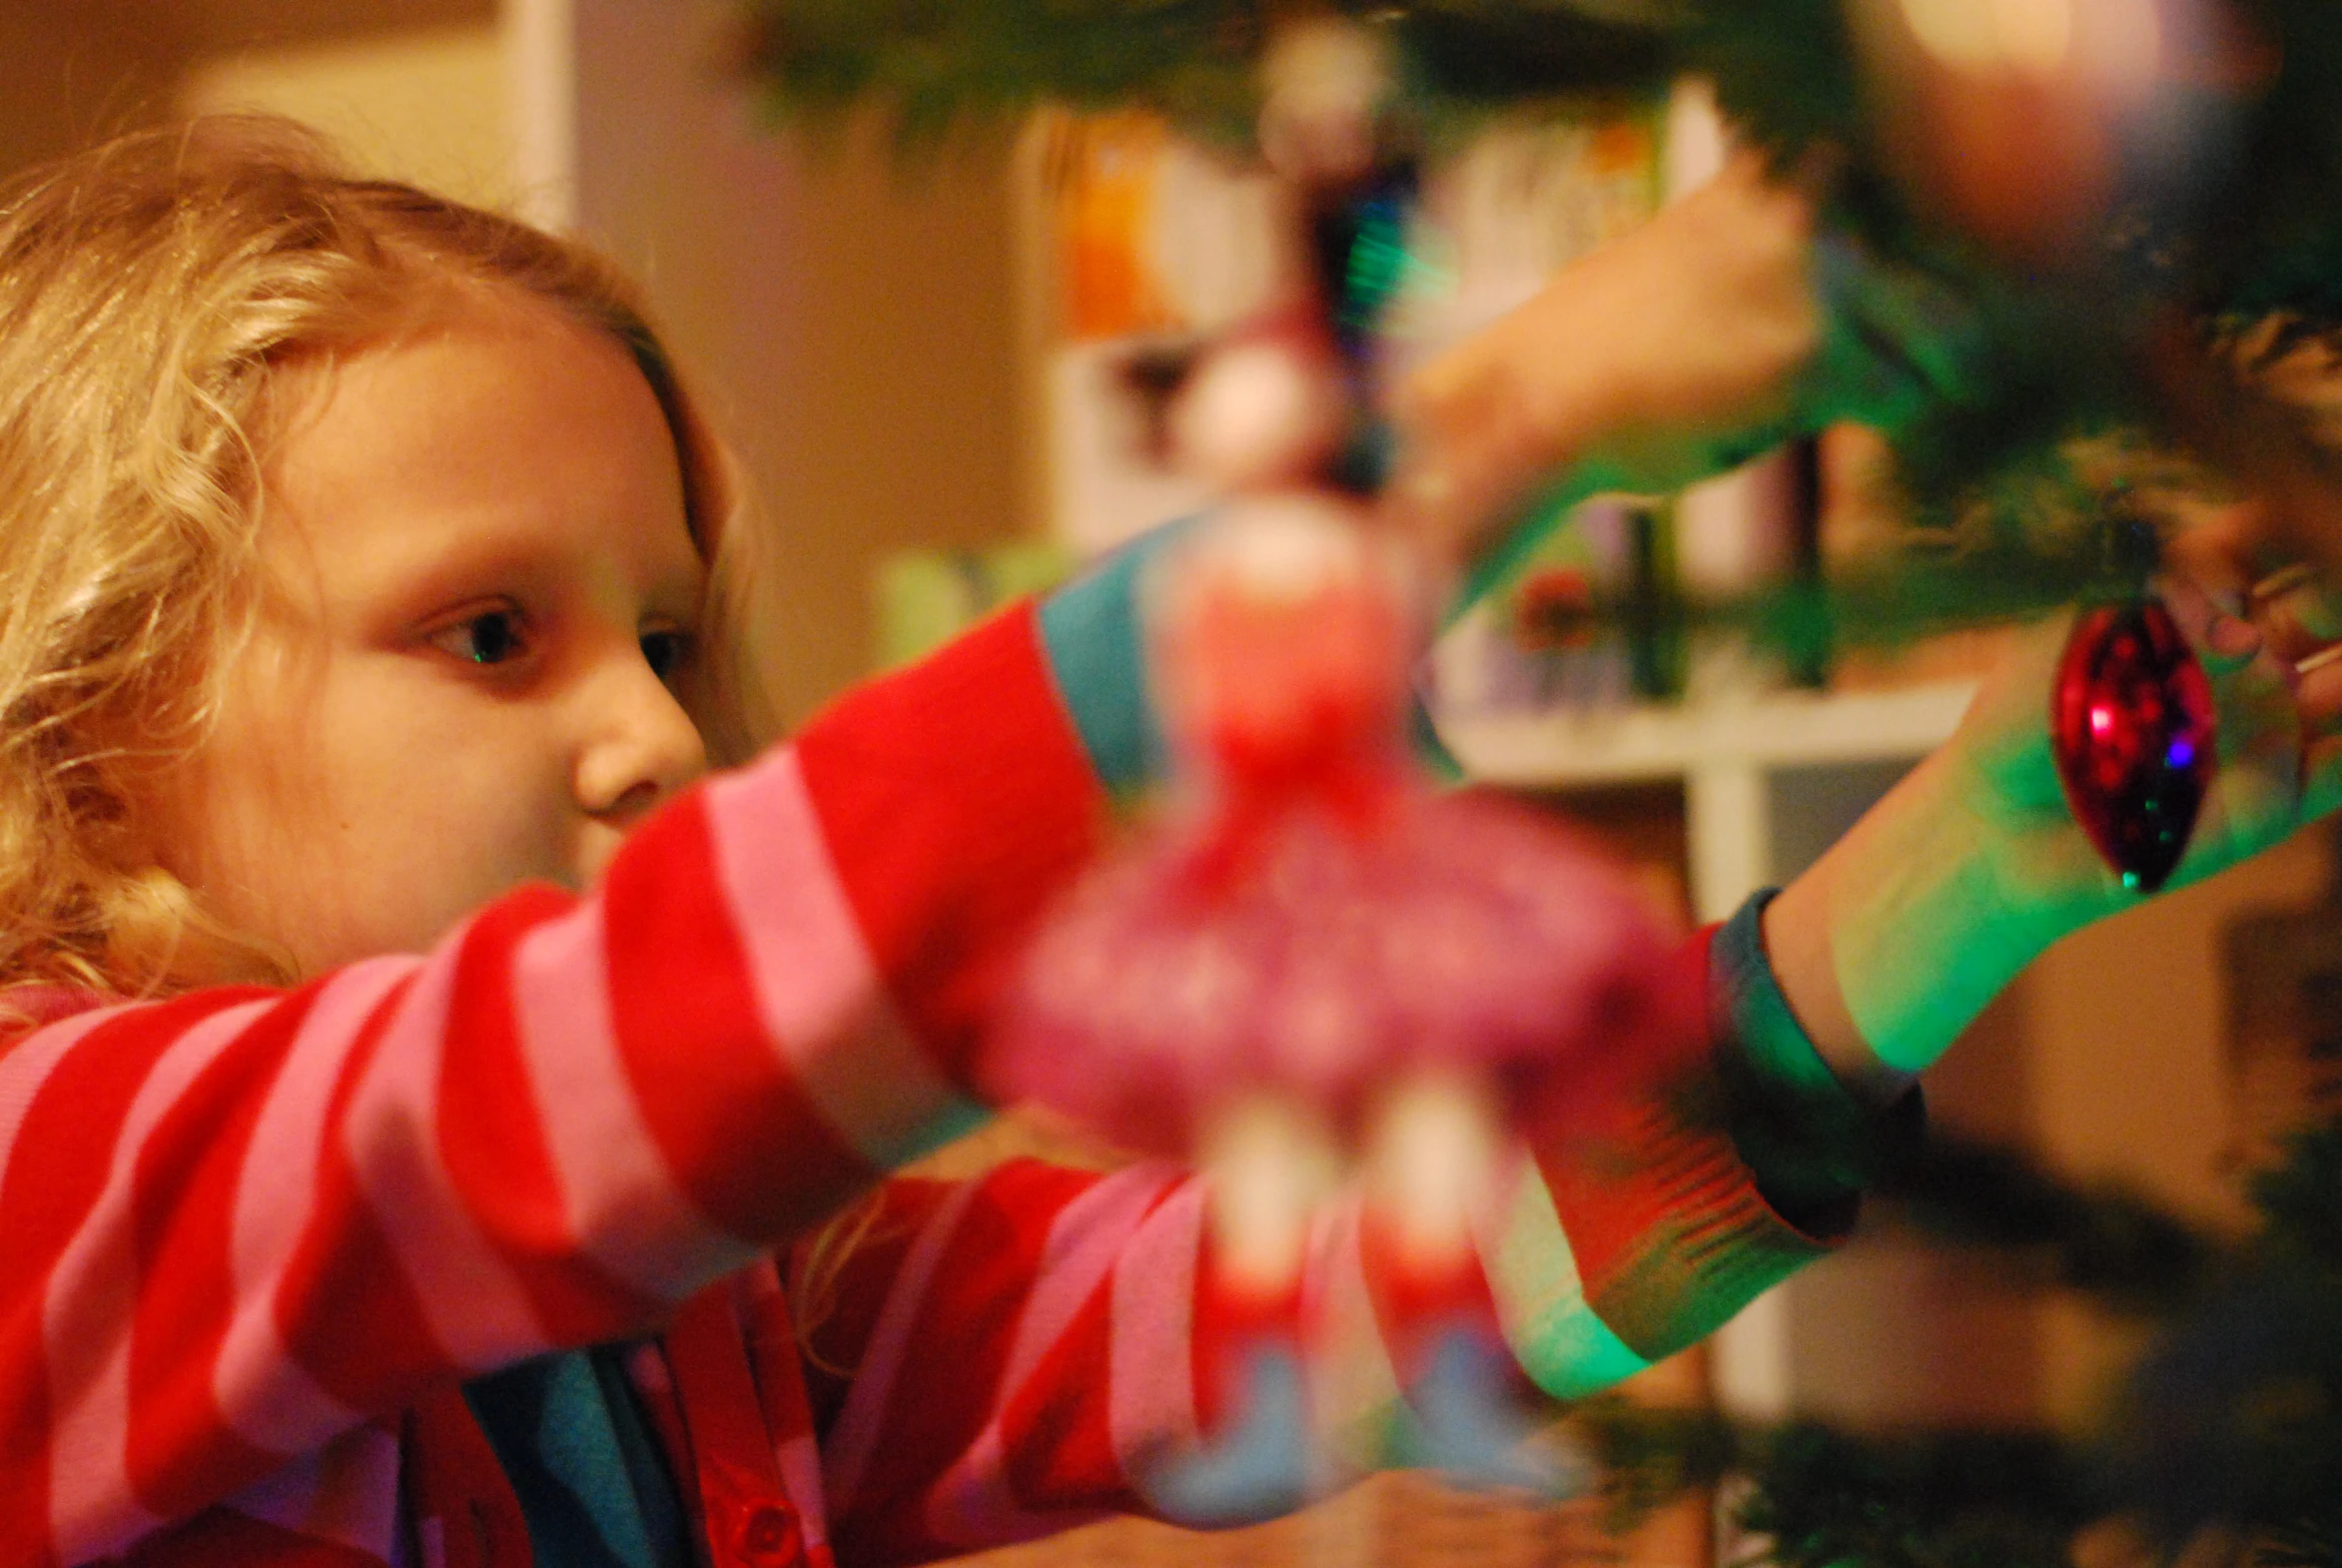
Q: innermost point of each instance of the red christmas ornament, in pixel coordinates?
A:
(2133, 727)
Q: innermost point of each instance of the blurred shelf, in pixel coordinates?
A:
(1646, 742)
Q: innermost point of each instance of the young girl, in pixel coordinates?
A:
(418, 1063)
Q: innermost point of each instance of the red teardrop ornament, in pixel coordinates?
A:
(2133, 726)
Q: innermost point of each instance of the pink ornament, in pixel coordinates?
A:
(1316, 963)
(1327, 946)
(1313, 920)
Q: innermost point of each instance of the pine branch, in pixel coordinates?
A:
(936, 64)
(1826, 1498)
(2039, 365)
(2103, 1241)
(2233, 1428)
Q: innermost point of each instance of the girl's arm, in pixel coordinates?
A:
(1006, 1357)
(1016, 1351)
(1974, 865)
(237, 1223)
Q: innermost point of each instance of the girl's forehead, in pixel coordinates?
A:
(435, 306)
(478, 359)
(497, 416)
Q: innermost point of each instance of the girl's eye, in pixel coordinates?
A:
(665, 652)
(490, 637)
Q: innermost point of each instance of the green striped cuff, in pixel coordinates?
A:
(1813, 1147)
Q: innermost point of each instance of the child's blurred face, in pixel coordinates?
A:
(477, 535)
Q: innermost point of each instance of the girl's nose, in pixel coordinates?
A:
(641, 745)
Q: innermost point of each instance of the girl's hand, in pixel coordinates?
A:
(1974, 865)
(1669, 352)
(2279, 766)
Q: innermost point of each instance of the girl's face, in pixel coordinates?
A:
(486, 590)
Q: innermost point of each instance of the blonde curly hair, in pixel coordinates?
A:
(150, 290)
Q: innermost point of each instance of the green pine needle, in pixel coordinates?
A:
(2006, 368)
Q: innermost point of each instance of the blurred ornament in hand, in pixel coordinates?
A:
(1313, 964)
(1311, 918)
(1316, 962)
(2025, 123)
(2135, 730)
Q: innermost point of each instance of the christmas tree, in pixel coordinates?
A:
(2211, 261)
(2101, 311)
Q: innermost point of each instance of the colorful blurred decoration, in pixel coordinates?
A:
(2133, 726)
(2026, 123)
(1106, 201)
(1553, 611)
(1318, 963)
(1592, 618)
(1315, 973)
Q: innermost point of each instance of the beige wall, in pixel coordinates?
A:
(853, 319)
(426, 107)
(2129, 1075)
(2130, 1078)
(72, 71)
(69, 72)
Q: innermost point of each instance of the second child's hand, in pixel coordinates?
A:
(1649, 355)
(1673, 350)
(1725, 324)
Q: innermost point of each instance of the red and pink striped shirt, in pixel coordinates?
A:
(253, 1243)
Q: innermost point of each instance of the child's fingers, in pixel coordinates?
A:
(2220, 550)
(2225, 642)
(2318, 691)
(2297, 611)
(2259, 724)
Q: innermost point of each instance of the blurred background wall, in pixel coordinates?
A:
(854, 319)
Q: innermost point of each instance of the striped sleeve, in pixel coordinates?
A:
(237, 1223)
(1003, 1357)
(1012, 1356)
(1645, 1231)
(1000, 1356)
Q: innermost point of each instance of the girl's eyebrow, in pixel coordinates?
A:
(679, 587)
(459, 564)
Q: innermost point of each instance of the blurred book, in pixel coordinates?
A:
(1159, 244)
(1561, 630)
(1156, 234)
